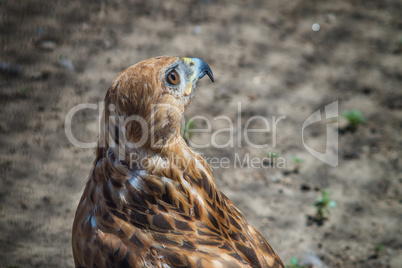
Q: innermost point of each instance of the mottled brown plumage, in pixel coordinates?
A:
(151, 201)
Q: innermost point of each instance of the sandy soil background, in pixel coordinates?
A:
(264, 54)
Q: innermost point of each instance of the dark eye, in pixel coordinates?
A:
(173, 78)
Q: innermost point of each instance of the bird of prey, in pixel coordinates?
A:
(150, 201)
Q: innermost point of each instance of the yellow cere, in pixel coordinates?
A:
(188, 60)
(191, 63)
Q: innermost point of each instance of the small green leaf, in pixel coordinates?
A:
(379, 247)
(273, 155)
(186, 132)
(294, 261)
(332, 204)
(297, 160)
(399, 42)
(354, 117)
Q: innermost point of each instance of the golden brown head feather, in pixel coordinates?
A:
(160, 208)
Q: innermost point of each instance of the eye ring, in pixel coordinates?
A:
(173, 78)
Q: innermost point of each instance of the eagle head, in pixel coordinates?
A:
(145, 102)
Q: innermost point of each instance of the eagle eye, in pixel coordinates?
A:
(173, 78)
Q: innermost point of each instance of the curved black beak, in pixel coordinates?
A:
(201, 68)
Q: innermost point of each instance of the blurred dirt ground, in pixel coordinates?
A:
(264, 54)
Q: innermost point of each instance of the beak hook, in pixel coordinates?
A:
(201, 68)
